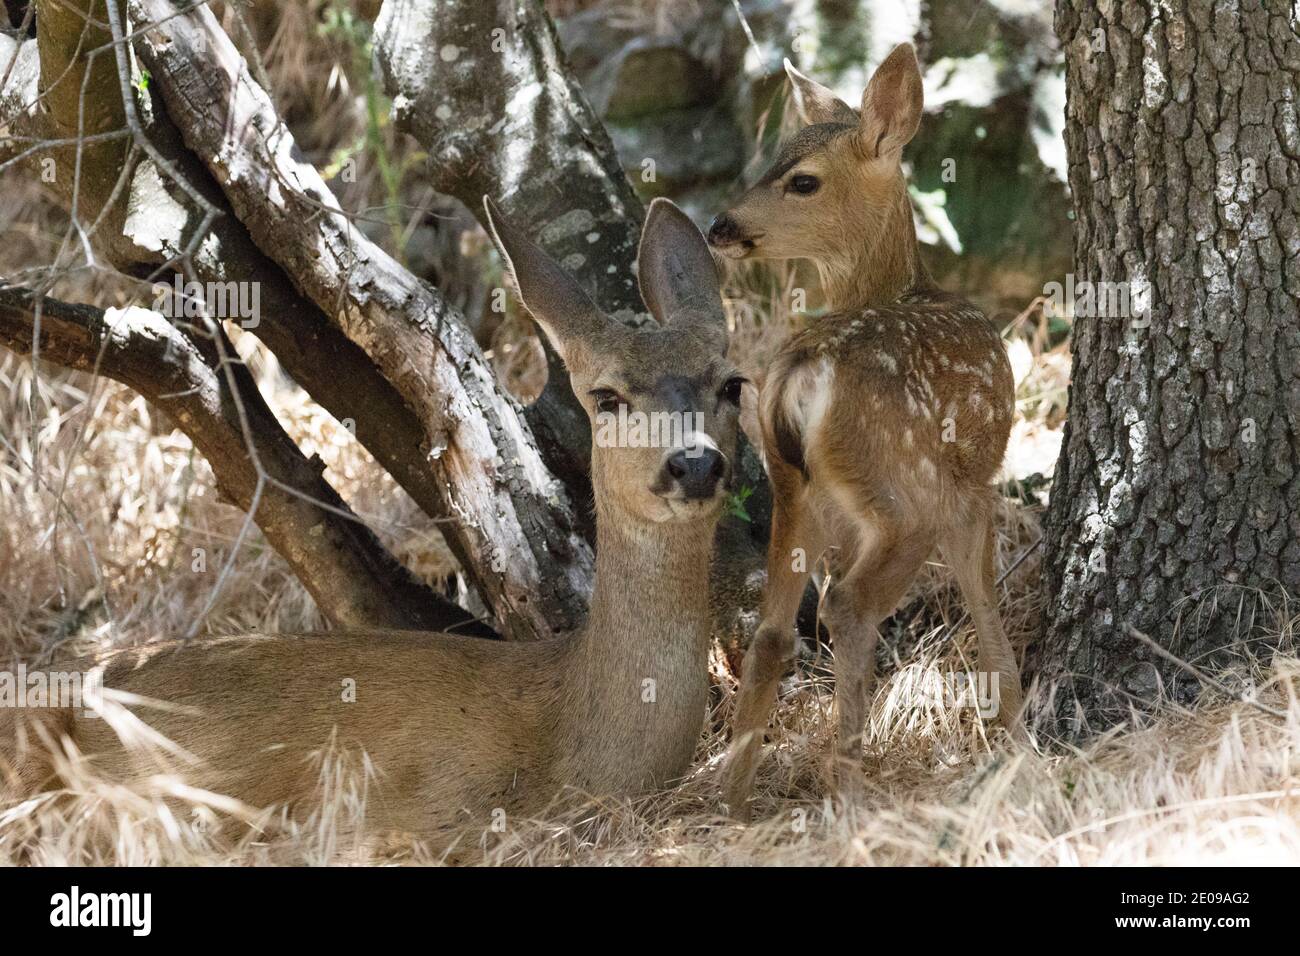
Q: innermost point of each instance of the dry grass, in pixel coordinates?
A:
(1217, 785)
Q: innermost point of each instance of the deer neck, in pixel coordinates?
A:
(880, 259)
(651, 598)
(637, 672)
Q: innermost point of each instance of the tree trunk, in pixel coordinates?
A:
(1175, 510)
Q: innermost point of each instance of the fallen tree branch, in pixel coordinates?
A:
(354, 580)
(316, 354)
(527, 558)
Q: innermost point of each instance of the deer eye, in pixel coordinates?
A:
(731, 390)
(607, 400)
(804, 185)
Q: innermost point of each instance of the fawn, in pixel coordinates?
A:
(882, 424)
(459, 729)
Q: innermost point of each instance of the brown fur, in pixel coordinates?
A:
(457, 727)
(883, 424)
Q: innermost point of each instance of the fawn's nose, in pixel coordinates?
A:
(697, 471)
(723, 229)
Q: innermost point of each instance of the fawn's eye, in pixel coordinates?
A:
(804, 185)
(607, 400)
(731, 390)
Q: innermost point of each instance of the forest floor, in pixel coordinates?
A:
(111, 534)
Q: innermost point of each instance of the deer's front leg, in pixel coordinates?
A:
(854, 635)
(772, 650)
(769, 657)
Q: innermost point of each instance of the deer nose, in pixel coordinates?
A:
(723, 229)
(697, 471)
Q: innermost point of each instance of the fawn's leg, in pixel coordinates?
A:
(771, 652)
(852, 610)
(969, 549)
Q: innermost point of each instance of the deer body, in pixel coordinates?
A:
(457, 728)
(882, 424)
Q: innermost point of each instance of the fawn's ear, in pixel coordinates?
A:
(816, 103)
(557, 303)
(678, 279)
(891, 104)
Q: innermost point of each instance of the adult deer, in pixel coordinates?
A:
(882, 424)
(458, 728)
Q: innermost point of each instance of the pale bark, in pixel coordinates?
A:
(525, 555)
(136, 215)
(483, 86)
(332, 369)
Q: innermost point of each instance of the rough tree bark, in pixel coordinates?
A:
(1176, 501)
(527, 560)
(353, 579)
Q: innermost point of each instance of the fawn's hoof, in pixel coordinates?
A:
(850, 781)
(737, 785)
(1017, 731)
(737, 805)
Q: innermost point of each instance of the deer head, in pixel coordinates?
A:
(663, 401)
(837, 186)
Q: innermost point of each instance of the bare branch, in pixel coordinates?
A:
(355, 581)
(1200, 675)
(165, 224)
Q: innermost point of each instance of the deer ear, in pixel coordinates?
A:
(555, 300)
(891, 104)
(816, 103)
(678, 278)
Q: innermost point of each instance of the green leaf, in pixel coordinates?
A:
(736, 503)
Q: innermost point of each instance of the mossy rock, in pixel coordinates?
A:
(687, 148)
(650, 76)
